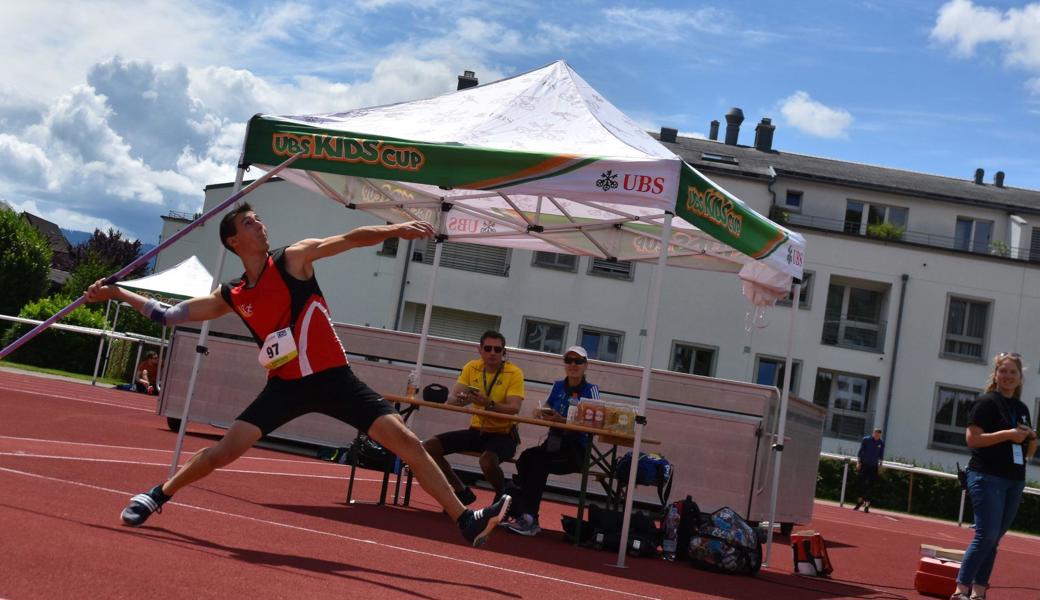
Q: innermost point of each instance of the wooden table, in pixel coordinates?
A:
(604, 460)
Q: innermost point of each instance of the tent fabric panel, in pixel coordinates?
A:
(185, 280)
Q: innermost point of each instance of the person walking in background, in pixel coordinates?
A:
(871, 454)
(1001, 439)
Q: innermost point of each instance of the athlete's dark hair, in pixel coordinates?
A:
(492, 334)
(227, 223)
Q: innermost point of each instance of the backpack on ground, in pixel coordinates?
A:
(652, 469)
(603, 531)
(689, 519)
(724, 542)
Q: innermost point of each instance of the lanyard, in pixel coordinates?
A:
(487, 388)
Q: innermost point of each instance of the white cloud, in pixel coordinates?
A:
(815, 118)
(1016, 31)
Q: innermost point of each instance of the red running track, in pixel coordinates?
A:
(275, 526)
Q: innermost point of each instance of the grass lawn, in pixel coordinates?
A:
(35, 369)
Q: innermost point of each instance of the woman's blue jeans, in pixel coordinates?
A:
(995, 501)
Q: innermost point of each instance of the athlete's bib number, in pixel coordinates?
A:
(278, 349)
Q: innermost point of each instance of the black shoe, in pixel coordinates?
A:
(477, 526)
(143, 505)
(866, 508)
(858, 504)
(466, 496)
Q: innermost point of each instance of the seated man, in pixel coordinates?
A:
(562, 451)
(147, 370)
(494, 384)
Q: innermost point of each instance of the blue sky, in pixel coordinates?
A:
(114, 113)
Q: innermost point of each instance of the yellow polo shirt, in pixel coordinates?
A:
(509, 383)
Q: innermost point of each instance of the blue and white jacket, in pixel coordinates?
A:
(559, 400)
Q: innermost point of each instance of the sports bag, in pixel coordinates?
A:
(653, 469)
(725, 543)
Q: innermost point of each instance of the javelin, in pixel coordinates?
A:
(144, 258)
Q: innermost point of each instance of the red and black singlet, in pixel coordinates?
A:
(278, 300)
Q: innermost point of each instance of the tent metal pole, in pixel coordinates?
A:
(108, 351)
(781, 426)
(147, 256)
(200, 348)
(644, 383)
(159, 372)
(101, 344)
(428, 314)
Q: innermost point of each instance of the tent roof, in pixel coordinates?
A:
(539, 161)
(187, 279)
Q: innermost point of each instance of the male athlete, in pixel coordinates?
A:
(279, 300)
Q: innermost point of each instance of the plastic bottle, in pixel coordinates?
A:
(600, 415)
(572, 408)
(671, 533)
(588, 413)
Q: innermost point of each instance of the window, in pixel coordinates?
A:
(555, 260)
(546, 336)
(389, 247)
(601, 344)
(852, 318)
(952, 406)
(973, 235)
(618, 269)
(859, 215)
(769, 370)
(1034, 246)
(793, 200)
(966, 322)
(450, 322)
(691, 358)
(475, 258)
(849, 403)
(804, 296)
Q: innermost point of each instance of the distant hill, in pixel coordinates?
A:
(78, 237)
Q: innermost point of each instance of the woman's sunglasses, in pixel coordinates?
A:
(495, 349)
(577, 360)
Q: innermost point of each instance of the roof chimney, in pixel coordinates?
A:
(998, 179)
(468, 79)
(734, 118)
(764, 135)
(979, 174)
(668, 134)
(713, 134)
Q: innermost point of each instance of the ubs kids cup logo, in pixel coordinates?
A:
(713, 206)
(351, 150)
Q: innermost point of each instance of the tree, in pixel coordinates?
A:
(25, 259)
(109, 249)
(86, 273)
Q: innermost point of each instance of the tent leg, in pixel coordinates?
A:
(428, 314)
(159, 372)
(137, 362)
(781, 426)
(108, 352)
(644, 383)
(101, 346)
(200, 348)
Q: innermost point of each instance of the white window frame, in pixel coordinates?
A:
(602, 267)
(594, 353)
(791, 207)
(845, 322)
(796, 371)
(555, 265)
(676, 344)
(805, 296)
(947, 427)
(983, 342)
(870, 403)
(971, 241)
(529, 320)
(865, 216)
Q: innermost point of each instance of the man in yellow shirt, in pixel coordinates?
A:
(493, 384)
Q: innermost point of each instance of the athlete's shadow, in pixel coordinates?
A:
(280, 561)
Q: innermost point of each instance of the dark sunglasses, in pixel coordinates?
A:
(577, 360)
(495, 349)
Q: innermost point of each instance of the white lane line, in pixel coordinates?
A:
(471, 563)
(74, 399)
(153, 464)
(301, 461)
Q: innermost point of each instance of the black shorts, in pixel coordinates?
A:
(335, 392)
(502, 445)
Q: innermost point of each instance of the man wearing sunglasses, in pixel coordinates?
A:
(493, 384)
(561, 453)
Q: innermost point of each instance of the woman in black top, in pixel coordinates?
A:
(1001, 440)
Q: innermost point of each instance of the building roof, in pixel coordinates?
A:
(746, 161)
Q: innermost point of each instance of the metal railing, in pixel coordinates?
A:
(911, 470)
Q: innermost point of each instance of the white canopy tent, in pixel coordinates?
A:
(539, 161)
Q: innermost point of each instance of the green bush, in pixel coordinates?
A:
(885, 231)
(937, 497)
(25, 260)
(66, 350)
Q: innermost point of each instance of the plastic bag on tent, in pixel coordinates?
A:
(763, 286)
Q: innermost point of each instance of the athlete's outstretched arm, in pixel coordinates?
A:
(305, 252)
(202, 308)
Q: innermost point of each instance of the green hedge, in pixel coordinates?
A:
(937, 497)
(75, 352)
